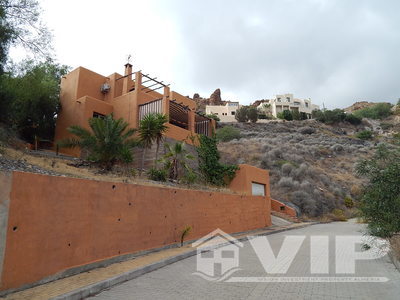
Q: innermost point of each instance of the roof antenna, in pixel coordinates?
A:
(128, 58)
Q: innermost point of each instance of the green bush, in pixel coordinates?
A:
(303, 116)
(296, 115)
(364, 135)
(263, 116)
(190, 177)
(377, 111)
(285, 115)
(348, 202)
(252, 114)
(241, 114)
(29, 98)
(352, 119)
(380, 203)
(157, 174)
(214, 117)
(213, 171)
(329, 116)
(109, 141)
(228, 133)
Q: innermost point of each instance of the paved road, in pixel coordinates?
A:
(177, 282)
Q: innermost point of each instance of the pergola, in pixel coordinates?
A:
(179, 114)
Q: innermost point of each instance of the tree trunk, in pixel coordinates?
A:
(143, 158)
(158, 147)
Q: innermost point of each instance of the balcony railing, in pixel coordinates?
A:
(154, 106)
(202, 125)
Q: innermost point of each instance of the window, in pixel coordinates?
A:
(288, 99)
(232, 113)
(258, 189)
(227, 254)
(279, 99)
(98, 115)
(207, 254)
(306, 104)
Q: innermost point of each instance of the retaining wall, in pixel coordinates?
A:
(50, 224)
(282, 208)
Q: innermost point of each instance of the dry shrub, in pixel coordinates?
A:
(338, 215)
(325, 179)
(352, 213)
(337, 148)
(324, 151)
(355, 190)
(286, 182)
(307, 130)
(325, 219)
(395, 245)
(286, 169)
(305, 202)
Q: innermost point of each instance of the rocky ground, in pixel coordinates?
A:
(7, 164)
(311, 164)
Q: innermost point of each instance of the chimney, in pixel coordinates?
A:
(128, 69)
(127, 78)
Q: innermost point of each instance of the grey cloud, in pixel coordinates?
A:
(332, 51)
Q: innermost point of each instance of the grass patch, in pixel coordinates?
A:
(281, 162)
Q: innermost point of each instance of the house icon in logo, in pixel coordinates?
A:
(217, 255)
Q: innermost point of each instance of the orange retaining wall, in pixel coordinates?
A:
(276, 206)
(57, 223)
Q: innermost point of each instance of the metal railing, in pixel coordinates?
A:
(202, 127)
(154, 106)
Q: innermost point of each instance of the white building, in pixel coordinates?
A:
(287, 102)
(226, 113)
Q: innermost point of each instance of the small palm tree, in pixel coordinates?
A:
(108, 141)
(151, 129)
(160, 130)
(176, 159)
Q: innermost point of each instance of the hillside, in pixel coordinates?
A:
(358, 105)
(311, 164)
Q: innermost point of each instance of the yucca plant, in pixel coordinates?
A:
(151, 129)
(185, 232)
(176, 159)
(108, 141)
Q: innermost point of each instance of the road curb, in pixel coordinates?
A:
(96, 288)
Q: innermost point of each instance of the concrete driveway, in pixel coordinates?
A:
(177, 281)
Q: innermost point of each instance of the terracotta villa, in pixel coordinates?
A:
(85, 94)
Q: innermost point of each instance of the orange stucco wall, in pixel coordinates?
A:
(277, 205)
(182, 100)
(56, 223)
(242, 183)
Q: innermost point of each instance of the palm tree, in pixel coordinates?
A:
(176, 159)
(108, 141)
(151, 129)
(160, 130)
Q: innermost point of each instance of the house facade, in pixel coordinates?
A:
(226, 113)
(85, 94)
(287, 102)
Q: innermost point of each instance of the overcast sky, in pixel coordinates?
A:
(335, 52)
